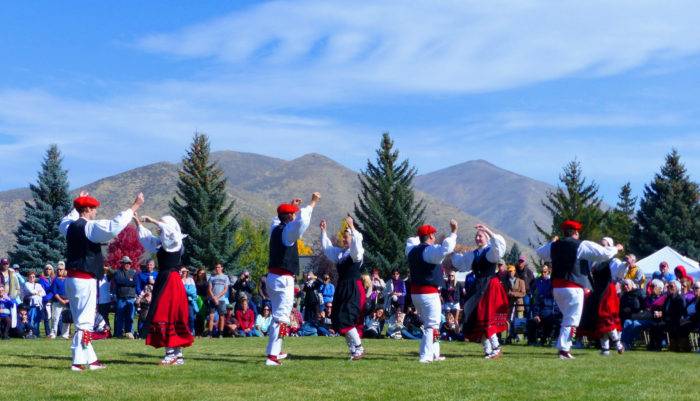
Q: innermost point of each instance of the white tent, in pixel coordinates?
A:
(650, 264)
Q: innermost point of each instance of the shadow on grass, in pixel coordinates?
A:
(43, 357)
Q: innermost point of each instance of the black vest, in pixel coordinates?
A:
(481, 266)
(564, 263)
(348, 269)
(283, 256)
(82, 254)
(168, 260)
(422, 272)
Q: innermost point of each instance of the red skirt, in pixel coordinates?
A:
(169, 323)
(491, 313)
(608, 312)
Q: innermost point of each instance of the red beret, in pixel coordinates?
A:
(571, 225)
(425, 230)
(287, 208)
(85, 201)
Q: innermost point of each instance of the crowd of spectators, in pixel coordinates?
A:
(659, 312)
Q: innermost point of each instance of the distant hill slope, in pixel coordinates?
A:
(257, 183)
(500, 197)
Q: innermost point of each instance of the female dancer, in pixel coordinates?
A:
(486, 306)
(167, 322)
(349, 298)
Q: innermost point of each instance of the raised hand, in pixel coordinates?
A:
(323, 225)
(136, 219)
(350, 222)
(315, 198)
(138, 202)
(453, 225)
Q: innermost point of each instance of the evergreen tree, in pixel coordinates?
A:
(576, 200)
(204, 210)
(669, 212)
(38, 239)
(513, 255)
(620, 220)
(126, 244)
(386, 209)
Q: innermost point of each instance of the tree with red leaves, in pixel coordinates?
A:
(126, 244)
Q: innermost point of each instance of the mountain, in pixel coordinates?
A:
(257, 183)
(500, 197)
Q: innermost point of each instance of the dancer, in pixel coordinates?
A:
(601, 309)
(486, 306)
(349, 297)
(283, 266)
(167, 321)
(425, 264)
(571, 260)
(85, 265)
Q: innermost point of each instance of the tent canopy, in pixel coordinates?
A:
(650, 264)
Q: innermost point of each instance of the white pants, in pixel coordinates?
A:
(428, 308)
(82, 298)
(281, 292)
(570, 303)
(56, 310)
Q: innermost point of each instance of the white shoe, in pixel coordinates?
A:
(565, 355)
(605, 352)
(439, 359)
(425, 360)
(52, 336)
(272, 362)
(97, 365)
(66, 337)
(77, 368)
(282, 356)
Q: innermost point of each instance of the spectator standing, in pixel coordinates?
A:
(46, 279)
(516, 289)
(146, 276)
(59, 304)
(312, 296)
(125, 291)
(218, 297)
(395, 292)
(10, 280)
(202, 283)
(327, 291)
(105, 298)
(244, 287)
(262, 321)
(33, 299)
(525, 273)
(545, 316)
(452, 293)
(191, 291)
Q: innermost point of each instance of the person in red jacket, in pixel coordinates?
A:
(246, 320)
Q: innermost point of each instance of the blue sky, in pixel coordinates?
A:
(527, 86)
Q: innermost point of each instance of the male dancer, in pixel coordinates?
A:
(283, 266)
(85, 265)
(425, 264)
(571, 260)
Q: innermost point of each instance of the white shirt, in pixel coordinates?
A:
(336, 254)
(103, 290)
(35, 292)
(587, 250)
(150, 242)
(434, 254)
(99, 231)
(296, 228)
(463, 261)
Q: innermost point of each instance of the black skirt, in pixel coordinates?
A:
(348, 305)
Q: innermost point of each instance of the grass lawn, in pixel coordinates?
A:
(233, 369)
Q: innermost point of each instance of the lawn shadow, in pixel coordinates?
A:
(54, 357)
(23, 366)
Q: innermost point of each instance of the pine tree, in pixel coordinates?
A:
(386, 209)
(620, 220)
(38, 239)
(204, 211)
(513, 255)
(126, 244)
(576, 200)
(669, 212)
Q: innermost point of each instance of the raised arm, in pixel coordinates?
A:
(594, 252)
(498, 248)
(435, 254)
(67, 220)
(149, 241)
(332, 252)
(545, 252)
(294, 230)
(357, 251)
(101, 231)
(410, 243)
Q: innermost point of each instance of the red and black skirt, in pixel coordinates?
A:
(486, 309)
(601, 313)
(348, 306)
(167, 321)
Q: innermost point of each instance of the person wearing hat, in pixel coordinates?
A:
(167, 320)
(125, 293)
(486, 306)
(600, 319)
(283, 266)
(571, 260)
(425, 265)
(349, 297)
(85, 263)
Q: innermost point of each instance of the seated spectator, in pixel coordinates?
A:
(325, 325)
(375, 294)
(665, 274)
(311, 327)
(6, 306)
(668, 321)
(545, 317)
(262, 321)
(229, 323)
(681, 274)
(246, 320)
(632, 312)
(654, 306)
(630, 270)
(413, 327)
(693, 308)
(23, 329)
(452, 293)
(295, 321)
(374, 323)
(395, 292)
(33, 295)
(327, 292)
(395, 325)
(450, 330)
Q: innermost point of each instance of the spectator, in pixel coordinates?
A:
(452, 293)
(395, 292)
(23, 328)
(229, 321)
(327, 291)
(545, 316)
(262, 291)
(413, 327)
(502, 271)
(693, 308)
(469, 281)
(125, 291)
(33, 299)
(374, 323)
(246, 319)
(450, 330)
(515, 287)
(395, 325)
(10, 280)
(202, 283)
(148, 275)
(60, 303)
(105, 298)
(191, 291)
(669, 319)
(6, 306)
(295, 321)
(143, 303)
(655, 305)
(633, 313)
(525, 273)
(325, 325)
(683, 277)
(262, 321)
(664, 272)
(376, 291)
(687, 292)
(631, 271)
(312, 296)
(46, 279)
(244, 287)
(218, 299)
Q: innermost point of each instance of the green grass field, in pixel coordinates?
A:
(233, 369)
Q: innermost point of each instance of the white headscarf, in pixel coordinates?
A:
(170, 235)
(609, 240)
